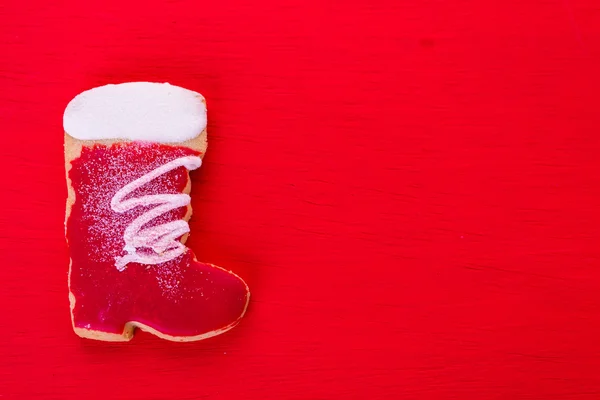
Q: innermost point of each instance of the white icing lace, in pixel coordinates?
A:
(161, 239)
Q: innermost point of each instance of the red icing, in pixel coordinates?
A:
(181, 297)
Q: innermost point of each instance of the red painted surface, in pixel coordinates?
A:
(410, 189)
(179, 297)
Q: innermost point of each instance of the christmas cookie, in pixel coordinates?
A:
(128, 152)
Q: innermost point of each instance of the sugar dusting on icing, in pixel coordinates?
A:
(170, 281)
(161, 239)
(146, 111)
(100, 173)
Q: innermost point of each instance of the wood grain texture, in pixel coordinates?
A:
(410, 188)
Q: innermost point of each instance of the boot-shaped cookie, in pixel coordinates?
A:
(128, 152)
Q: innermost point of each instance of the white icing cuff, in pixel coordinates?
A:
(155, 112)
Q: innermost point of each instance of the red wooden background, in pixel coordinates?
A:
(409, 187)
